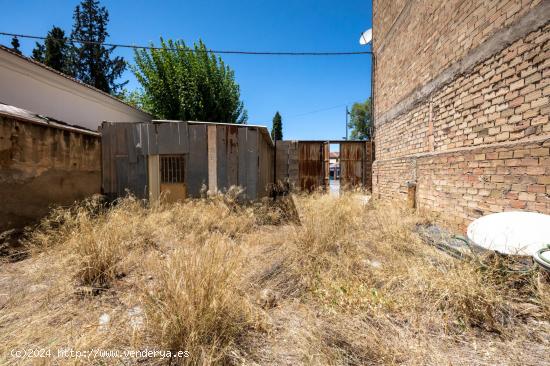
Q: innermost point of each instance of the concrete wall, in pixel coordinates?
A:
(28, 85)
(462, 104)
(41, 166)
(286, 162)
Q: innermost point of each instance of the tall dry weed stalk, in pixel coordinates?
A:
(196, 305)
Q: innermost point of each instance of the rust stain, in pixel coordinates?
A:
(351, 164)
(310, 165)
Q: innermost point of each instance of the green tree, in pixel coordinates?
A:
(55, 52)
(15, 45)
(188, 84)
(92, 62)
(136, 98)
(38, 52)
(277, 128)
(360, 121)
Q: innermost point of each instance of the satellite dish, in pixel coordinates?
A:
(516, 232)
(366, 37)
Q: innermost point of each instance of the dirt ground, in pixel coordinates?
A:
(339, 281)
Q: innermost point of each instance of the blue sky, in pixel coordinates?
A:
(295, 86)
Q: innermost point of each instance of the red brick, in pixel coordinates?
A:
(518, 204)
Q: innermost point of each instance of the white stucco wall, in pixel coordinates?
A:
(32, 87)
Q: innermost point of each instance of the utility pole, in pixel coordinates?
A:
(347, 113)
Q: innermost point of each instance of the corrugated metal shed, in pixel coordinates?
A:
(216, 155)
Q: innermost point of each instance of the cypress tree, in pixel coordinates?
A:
(56, 53)
(93, 64)
(15, 45)
(38, 52)
(277, 128)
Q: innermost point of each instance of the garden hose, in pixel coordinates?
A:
(543, 262)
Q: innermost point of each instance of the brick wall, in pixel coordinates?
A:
(475, 137)
(415, 40)
(464, 185)
(505, 98)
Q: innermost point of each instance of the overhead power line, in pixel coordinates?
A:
(310, 112)
(317, 111)
(227, 52)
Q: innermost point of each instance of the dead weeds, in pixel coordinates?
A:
(334, 282)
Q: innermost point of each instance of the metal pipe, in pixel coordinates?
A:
(372, 86)
(347, 113)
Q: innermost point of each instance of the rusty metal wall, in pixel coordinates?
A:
(310, 165)
(306, 163)
(244, 157)
(227, 150)
(326, 164)
(232, 154)
(265, 166)
(124, 150)
(196, 163)
(241, 156)
(356, 164)
(352, 156)
(124, 167)
(251, 164)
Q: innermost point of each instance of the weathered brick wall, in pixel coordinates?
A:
(464, 185)
(415, 40)
(505, 98)
(475, 137)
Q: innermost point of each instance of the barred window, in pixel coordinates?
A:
(171, 168)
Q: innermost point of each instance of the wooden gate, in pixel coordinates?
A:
(311, 165)
(352, 164)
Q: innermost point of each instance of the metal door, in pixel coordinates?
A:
(351, 164)
(310, 165)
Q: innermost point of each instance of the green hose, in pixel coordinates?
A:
(543, 262)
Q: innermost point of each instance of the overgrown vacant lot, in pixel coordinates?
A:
(350, 284)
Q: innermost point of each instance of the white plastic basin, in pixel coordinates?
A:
(516, 232)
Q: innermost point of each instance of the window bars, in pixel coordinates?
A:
(171, 169)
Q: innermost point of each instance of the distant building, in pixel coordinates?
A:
(334, 162)
(27, 84)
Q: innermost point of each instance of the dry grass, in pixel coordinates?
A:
(351, 284)
(197, 305)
